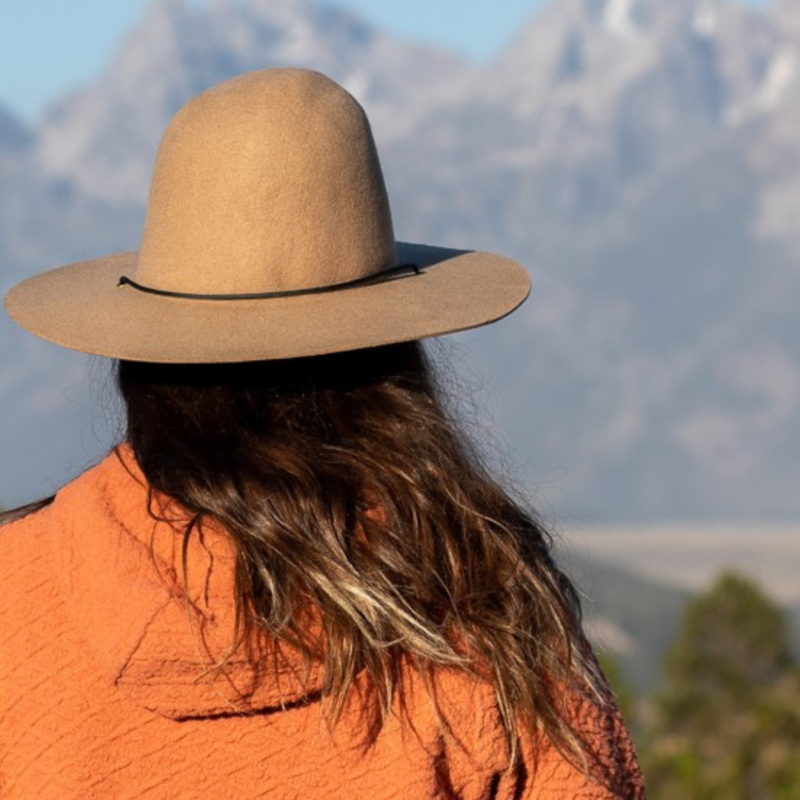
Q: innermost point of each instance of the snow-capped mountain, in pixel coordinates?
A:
(642, 156)
(639, 183)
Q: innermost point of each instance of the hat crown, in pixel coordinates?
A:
(267, 213)
(268, 182)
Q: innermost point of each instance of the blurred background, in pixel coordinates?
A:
(642, 157)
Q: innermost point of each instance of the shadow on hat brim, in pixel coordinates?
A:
(81, 307)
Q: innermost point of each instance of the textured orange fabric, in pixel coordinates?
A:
(105, 690)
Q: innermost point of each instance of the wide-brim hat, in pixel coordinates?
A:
(268, 235)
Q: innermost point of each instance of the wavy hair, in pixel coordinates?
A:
(344, 484)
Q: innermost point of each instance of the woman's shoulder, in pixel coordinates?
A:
(459, 712)
(28, 581)
(611, 768)
(18, 530)
(30, 534)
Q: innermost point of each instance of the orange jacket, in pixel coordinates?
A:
(104, 693)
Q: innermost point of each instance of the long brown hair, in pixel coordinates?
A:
(344, 484)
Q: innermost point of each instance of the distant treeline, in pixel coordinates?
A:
(723, 719)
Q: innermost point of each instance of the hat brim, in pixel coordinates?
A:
(81, 307)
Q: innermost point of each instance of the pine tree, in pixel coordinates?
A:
(728, 719)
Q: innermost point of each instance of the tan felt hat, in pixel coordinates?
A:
(268, 235)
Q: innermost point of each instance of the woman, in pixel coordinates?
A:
(293, 578)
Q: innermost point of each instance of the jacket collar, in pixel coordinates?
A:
(157, 639)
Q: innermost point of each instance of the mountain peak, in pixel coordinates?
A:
(104, 136)
(166, 11)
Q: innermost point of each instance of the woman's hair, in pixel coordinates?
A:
(346, 487)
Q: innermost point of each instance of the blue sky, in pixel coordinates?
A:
(50, 46)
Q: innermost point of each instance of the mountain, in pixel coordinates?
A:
(104, 137)
(595, 99)
(642, 157)
(630, 617)
(617, 147)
